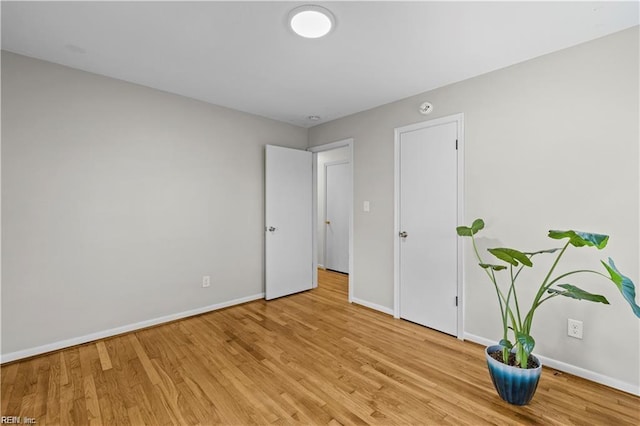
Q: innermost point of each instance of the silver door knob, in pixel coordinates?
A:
(403, 234)
(271, 229)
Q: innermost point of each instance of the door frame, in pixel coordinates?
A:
(458, 119)
(315, 150)
(326, 197)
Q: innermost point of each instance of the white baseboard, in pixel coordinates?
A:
(321, 267)
(373, 306)
(571, 369)
(38, 350)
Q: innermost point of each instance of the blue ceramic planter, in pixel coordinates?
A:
(514, 385)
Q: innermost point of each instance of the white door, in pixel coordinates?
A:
(288, 221)
(337, 217)
(428, 219)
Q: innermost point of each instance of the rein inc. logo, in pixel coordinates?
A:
(17, 420)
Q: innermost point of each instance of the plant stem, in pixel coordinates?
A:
(552, 282)
(515, 294)
(558, 278)
(550, 297)
(529, 318)
(504, 307)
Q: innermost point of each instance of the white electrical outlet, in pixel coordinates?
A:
(206, 281)
(574, 328)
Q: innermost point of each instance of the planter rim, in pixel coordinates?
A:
(495, 348)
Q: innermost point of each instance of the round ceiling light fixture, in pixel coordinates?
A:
(311, 21)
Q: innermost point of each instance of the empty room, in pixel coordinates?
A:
(369, 212)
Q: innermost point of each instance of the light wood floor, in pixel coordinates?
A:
(309, 358)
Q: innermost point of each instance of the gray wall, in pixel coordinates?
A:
(117, 199)
(550, 143)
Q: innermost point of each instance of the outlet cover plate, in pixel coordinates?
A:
(574, 328)
(206, 281)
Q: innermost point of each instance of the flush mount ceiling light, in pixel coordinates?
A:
(311, 21)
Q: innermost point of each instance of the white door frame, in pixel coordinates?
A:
(459, 120)
(315, 150)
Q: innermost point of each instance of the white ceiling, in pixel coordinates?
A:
(242, 55)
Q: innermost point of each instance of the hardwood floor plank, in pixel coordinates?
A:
(110, 396)
(8, 377)
(134, 416)
(88, 353)
(42, 389)
(310, 358)
(105, 360)
(52, 405)
(66, 390)
(149, 369)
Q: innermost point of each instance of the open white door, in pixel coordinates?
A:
(337, 202)
(288, 221)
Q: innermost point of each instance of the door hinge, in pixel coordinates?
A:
(456, 300)
(456, 143)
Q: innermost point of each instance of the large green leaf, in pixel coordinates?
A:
(464, 231)
(505, 344)
(624, 284)
(477, 225)
(578, 293)
(579, 239)
(526, 342)
(494, 267)
(467, 231)
(511, 256)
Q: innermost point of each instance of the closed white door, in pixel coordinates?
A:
(337, 217)
(428, 219)
(288, 220)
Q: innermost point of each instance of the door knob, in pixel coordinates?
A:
(328, 222)
(271, 229)
(403, 234)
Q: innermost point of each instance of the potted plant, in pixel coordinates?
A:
(514, 370)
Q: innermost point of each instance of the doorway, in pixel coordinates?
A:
(333, 210)
(428, 259)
